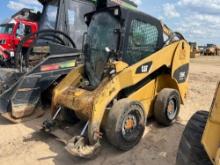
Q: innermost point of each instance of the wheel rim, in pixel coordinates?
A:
(131, 126)
(172, 109)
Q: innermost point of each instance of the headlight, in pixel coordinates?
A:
(2, 42)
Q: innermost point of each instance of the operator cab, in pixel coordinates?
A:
(121, 34)
(66, 16)
(61, 29)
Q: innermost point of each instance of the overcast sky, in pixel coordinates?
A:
(198, 20)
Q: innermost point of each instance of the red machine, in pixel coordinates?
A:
(11, 33)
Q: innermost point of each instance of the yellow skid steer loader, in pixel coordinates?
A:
(130, 73)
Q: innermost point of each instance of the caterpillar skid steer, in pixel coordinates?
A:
(130, 73)
(200, 143)
(50, 56)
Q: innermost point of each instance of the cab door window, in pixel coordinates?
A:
(23, 30)
(142, 41)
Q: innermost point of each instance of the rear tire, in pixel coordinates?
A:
(191, 151)
(125, 124)
(167, 106)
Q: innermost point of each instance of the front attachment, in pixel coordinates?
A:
(78, 146)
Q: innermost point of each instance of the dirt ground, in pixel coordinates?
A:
(158, 146)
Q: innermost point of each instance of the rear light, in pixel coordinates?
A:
(45, 68)
(68, 64)
(63, 65)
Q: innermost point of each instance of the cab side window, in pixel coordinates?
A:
(142, 41)
(23, 30)
(75, 13)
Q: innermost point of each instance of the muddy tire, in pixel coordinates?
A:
(167, 106)
(191, 151)
(125, 124)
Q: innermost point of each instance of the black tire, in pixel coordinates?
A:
(162, 112)
(115, 128)
(191, 151)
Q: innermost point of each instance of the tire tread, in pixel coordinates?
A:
(191, 151)
(113, 122)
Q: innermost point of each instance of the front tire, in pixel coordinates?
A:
(125, 124)
(191, 151)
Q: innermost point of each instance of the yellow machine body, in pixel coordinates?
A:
(211, 136)
(93, 105)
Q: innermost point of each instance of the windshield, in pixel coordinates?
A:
(71, 22)
(75, 15)
(49, 15)
(101, 34)
(6, 28)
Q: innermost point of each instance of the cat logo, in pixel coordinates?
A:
(145, 68)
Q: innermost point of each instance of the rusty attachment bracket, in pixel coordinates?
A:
(78, 146)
